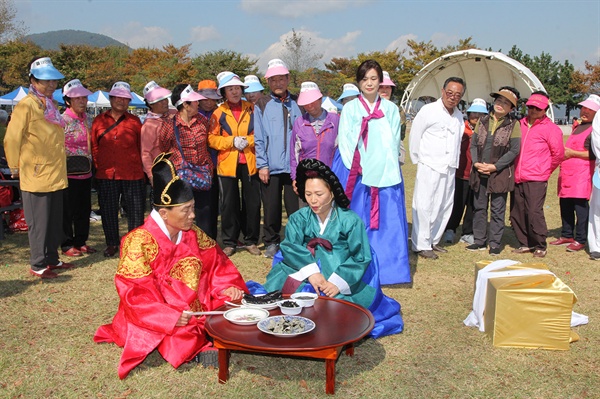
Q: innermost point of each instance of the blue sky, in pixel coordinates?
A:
(567, 29)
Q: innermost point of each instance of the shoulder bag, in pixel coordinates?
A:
(198, 176)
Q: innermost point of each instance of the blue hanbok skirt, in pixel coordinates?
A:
(390, 241)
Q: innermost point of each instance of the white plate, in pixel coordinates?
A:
(246, 316)
(309, 325)
(266, 306)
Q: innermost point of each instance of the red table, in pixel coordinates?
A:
(338, 323)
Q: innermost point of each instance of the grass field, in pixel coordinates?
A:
(46, 329)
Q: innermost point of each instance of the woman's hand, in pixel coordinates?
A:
(330, 289)
(317, 280)
(233, 292)
(485, 168)
(184, 319)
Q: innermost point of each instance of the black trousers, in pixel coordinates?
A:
(272, 207)
(77, 205)
(463, 205)
(569, 208)
(205, 213)
(43, 214)
(109, 194)
(240, 214)
(497, 203)
(527, 214)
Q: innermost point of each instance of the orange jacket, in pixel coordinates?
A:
(223, 128)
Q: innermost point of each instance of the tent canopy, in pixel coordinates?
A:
(14, 96)
(483, 71)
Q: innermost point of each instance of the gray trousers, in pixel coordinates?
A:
(44, 217)
(497, 202)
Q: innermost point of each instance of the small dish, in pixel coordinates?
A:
(306, 299)
(286, 326)
(290, 307)
(245, 316)
(266, 306)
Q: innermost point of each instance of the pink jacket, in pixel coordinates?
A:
(541, 150)
(575, 177)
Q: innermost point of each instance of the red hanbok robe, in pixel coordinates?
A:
(156, 281)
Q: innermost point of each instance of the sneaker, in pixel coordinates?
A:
(467, 239)
(94, 217)
(448, 237)
(562, 241)
(229, 251)
(72, 252)
(253, 249)
(208, 358)
(594, 255)
(495, 251)
(540, 253)
(271, 250)
(575, 246)
(61, 265)
(43, 274)
(476, 247)
(439, 249)
(522, 250)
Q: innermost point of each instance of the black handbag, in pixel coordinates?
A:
(78, 165)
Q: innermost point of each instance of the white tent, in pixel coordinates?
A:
(14, 96)
(483, 71)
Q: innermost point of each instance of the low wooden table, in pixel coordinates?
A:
(338, 323)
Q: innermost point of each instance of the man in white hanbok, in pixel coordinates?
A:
(435, 147)
(594, 219)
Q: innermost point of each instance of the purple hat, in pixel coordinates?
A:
(592, 102)
(309, 93)
(276, 67)
(153, 93)
(121, 89)
(188, 94)
(386, 80)
(75, 89)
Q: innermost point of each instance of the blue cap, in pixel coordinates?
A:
(349, 90)
(43, 69)
(253, 84)
(478, 105)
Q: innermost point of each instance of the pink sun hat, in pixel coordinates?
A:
(386, 80)
(276, 67)
(309, 93)
(188, 94)
(592, 102)
(153, 93)
(74, 89)
(121, 89)
(538, 101)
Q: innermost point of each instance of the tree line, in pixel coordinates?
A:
(99, 68)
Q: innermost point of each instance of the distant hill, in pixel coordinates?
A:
(52, 40)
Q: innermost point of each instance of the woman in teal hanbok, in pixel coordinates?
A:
(326, 250)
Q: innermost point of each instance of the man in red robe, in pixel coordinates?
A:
(169, 268)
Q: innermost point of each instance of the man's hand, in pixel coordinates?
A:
(264, 175)
(234, 293)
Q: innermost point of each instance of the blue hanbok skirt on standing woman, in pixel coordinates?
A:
(390, 241)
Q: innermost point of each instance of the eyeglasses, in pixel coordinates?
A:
(451, 94)
(531, 107)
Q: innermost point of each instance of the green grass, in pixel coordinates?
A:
(46, 329)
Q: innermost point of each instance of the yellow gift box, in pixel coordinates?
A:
(483, 263)
(532, 311)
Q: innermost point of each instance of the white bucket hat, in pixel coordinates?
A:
(229, 79)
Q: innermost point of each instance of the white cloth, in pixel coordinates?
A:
(594, 219)
(433, 198)
(435, 137)
(475, 318)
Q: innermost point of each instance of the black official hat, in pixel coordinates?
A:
(169, 189)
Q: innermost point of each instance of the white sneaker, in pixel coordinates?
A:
(94, 217)
(468, 239)
(448, 236)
